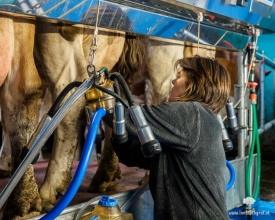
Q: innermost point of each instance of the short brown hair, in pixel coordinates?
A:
(208, 82)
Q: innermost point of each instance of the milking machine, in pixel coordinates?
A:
(99, 96)
(100, 89)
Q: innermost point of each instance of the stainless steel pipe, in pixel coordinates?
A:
(262, 102)
(266, 127)
(242, 112)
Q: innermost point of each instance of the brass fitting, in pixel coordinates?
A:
(96, 98)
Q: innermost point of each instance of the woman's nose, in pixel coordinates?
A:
(173, 81)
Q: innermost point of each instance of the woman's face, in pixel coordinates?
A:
(180, 85)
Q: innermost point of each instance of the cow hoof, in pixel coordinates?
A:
(22, 209)
(50, 193)
(48, 203)
(30, 215)
(5, 173)
(47, 207)
(103, 187)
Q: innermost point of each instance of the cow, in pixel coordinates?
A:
(21, 95)
(47, 56)
(51, 56)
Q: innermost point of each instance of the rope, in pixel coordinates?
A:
(220, 39)
(200, 17)
(97, 13)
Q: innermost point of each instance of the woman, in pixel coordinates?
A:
(187, 177)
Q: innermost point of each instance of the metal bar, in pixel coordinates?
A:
(268, 61)
(266, 127)
(250, 132)
(262, 105)
(54, 7)
(250, 128)
(72, 9)
(241, 107)
(141, 17)
(218, 13)
(23, 5)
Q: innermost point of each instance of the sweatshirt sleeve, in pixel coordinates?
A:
(174, 124)
(129, 153)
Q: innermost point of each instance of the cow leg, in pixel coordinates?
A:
(66, 139)
(6, 52)
(5, 158)
(20, 97)
(6, 46)
(134, 71)
(57, 70)
(5, 152)
(108, 172)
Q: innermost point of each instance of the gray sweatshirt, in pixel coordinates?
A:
(187, 177)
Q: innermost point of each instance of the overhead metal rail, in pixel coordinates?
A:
(225, 22)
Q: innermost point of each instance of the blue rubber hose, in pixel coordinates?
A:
(81, 169)
(232, 175)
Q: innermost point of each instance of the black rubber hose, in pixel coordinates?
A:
(116, 87)
(125, 87)
(112, 94)
(61, 96)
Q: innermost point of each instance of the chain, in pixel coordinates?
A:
(93, 49)
(36, 7)
(93, 46)
(200, 18)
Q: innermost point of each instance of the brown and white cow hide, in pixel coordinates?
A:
(6, 45)
(21, 95)
(6, 53)
(59, 64)
(61, 56)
